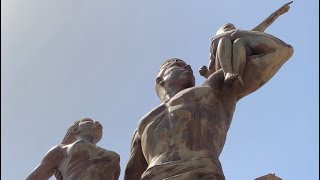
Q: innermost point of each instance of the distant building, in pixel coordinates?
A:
(268, 177)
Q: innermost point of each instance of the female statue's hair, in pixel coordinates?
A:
(70, 137)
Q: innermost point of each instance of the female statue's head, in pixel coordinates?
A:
(81, 128)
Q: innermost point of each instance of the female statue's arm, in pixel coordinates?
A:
(48, 164)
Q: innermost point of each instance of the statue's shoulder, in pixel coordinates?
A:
(83, 145)
(151, 116)
(111, 154)
(56, 152)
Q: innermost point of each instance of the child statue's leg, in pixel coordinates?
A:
(238, 58)
(224, 57)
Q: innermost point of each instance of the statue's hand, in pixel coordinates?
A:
(234, 33)
(285, 8)
(203, 71)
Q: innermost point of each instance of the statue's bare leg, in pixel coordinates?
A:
(224, 56)
(238, 58)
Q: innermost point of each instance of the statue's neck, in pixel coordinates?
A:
(87, 138)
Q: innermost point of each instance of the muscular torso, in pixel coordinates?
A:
(85, 161)
(190, 129)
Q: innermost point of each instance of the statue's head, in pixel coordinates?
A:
(225, 28)
(83, 127)
(174, 74)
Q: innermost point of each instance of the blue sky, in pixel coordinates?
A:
(66, 60)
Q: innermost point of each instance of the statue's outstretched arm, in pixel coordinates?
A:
(267, 22)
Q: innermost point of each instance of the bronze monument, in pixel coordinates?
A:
(183, 137)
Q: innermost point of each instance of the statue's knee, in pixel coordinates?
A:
(239, 44)
(224, 41)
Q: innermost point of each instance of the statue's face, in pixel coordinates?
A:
(89, 127)
(178, 74)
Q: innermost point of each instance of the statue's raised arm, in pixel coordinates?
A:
(250, 58)
(264, 54)
(226, 46)
(267, 22)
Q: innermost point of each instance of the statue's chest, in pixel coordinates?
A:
(84, 151)
(188, 105)
(196, 95)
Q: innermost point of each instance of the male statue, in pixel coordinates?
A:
(183, 137)
(78, 158)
